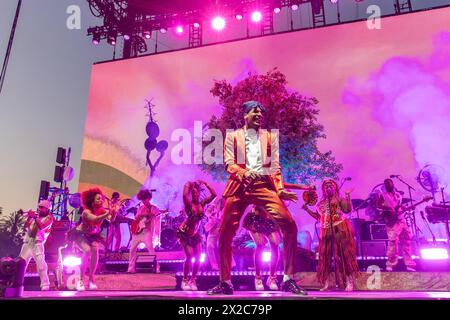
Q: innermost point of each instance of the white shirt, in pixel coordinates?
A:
(253, 157)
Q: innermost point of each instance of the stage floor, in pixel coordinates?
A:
(238, 295)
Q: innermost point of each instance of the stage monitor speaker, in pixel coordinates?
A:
(373, 248)
(59, 174)
(57, 237)
(44, 190)
(12, 272)
(378, 232)
(61, 156)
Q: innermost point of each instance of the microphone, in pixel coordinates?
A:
(394, 176)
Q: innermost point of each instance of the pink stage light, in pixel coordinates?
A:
(277, 10)
(294, 7)
(256, 16)
(335, 1)
(179, 29)
(218, 23)
(202, 258)
(71, 261)
(141, 246)
(239, 16)
(147, 34)
(126, 37)
(266, 256)
(196, 25)
(434, 253)
(163, 30)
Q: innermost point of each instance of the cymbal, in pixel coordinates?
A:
(359, 204)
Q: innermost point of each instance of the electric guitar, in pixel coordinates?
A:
(390, 218)
(138, 225)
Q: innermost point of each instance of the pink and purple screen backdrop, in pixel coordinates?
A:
(384, 102)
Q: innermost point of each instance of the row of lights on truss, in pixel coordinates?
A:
(218, 23)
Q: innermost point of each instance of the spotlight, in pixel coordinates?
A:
(141, 246)
(434, 253)
(126, 36)
(239, 16)
(277, 10)
(163, 30)
(294, 7)
(147, 34)
(202, 258)
(218, 23)
(96, 38)
(112, 37)
(256, 16)
(335, 1)
(72, 261)
(196, 25)
(266, 256)
(179, 29)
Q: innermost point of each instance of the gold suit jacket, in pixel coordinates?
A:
(234, 158)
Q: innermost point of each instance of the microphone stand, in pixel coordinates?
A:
(414, 225)
(333, 239)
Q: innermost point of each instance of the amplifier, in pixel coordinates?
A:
(373, 248)
(378, 232)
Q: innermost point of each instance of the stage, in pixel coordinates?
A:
(239, 295)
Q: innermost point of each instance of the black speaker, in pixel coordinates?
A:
(378, 232)
(44, 190)
(57, 237)
(373, 248)
(59, 174)
(61, 156)
(12, 272)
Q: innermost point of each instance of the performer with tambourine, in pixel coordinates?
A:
(337, 241)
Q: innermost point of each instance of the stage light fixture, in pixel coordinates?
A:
(179, 29)
(126, 36)
(72, 261)
(218, 23)
(147, 34)
(256, 16)
(277, 10)
(335, 1)
(239, 16)
(112, 37)
(434, 253)
(96, 38)
(294, 7)
(163, 30)
(266, 256)
(196, 25)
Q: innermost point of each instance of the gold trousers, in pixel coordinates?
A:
(261, 193)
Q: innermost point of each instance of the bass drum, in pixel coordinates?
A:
(169, 240)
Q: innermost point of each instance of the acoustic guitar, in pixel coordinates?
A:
(138, 225)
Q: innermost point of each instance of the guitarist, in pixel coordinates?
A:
(146, 213)
(399, 236)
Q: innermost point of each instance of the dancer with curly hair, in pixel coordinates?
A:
(86, 235)
(188, 234)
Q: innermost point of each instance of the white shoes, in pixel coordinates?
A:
(92, 286)
(193, 285)
(272, 283)
(80, 285)
(325, 287)
(45, 288)
(259, 286)
(185, 285)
